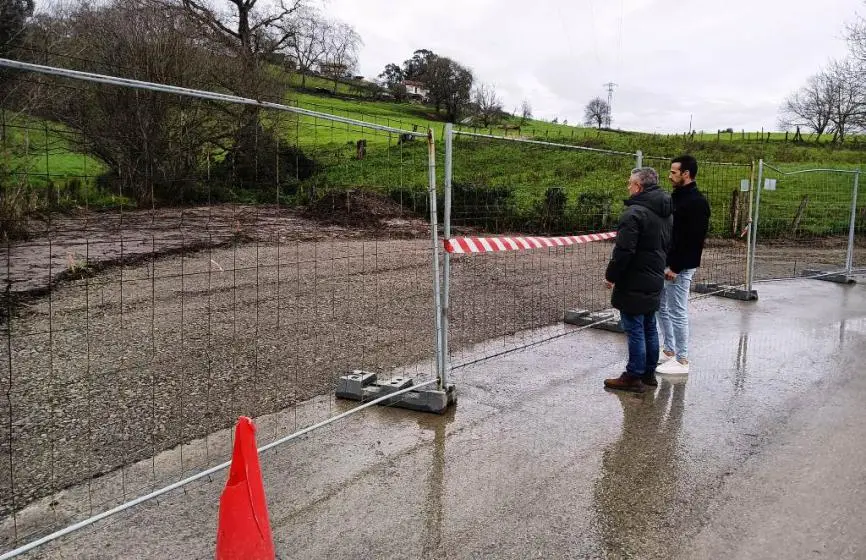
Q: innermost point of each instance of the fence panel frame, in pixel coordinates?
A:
(845, 271)
(389, 398)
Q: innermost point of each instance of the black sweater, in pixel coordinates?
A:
(691, 223)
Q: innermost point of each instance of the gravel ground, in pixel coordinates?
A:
(131, 360)
(61, 244)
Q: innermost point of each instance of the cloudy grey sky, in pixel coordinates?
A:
(728, 63)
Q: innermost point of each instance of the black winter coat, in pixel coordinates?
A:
(637, 266)
(691, 223)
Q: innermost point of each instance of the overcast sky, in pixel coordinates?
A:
(728, 63)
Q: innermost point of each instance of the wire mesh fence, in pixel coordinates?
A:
(171, 262)
(805, 225)
(515, 187)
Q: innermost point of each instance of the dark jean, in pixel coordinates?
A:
(643, 343)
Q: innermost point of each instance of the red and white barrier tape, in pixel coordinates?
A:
(461, 245)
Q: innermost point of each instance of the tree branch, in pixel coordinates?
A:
(204, 15)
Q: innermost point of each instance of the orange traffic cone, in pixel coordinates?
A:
(244, 532)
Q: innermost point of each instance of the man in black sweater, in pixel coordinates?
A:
(691, 223)
(636, 275)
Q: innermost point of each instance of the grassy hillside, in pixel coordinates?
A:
(41, 160)
(498, 184)
(507, 185)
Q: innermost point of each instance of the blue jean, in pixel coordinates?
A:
(643, 343)
(674, 314)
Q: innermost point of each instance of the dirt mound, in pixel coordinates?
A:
(360, 209)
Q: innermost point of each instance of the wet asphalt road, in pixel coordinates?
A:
(759, 453)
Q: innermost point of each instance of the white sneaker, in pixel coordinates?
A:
(673, 367)
(663, 357)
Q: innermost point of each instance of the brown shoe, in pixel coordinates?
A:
(625, 382)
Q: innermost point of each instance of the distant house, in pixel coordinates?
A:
(414, 88)
(333, 70)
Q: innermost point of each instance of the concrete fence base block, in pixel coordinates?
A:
(725, 291)
(604, 320)
(365, 386)
(837, 277)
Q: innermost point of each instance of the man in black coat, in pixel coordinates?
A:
(636, 273)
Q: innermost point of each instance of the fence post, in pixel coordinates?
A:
(638, 158)
(849, 257)
(446, 233)
(749, 226)
(754, 229)
(434, 235)
(735, 212)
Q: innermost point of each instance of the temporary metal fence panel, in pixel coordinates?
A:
(529, 200)
(807, 222)
(857, 241)
(175, 258)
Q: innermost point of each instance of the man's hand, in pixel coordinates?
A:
(608, 285)
(670, 275)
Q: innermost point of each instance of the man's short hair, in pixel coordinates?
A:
(687, 163)
(646, 176)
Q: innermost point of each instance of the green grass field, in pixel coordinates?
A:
(41, 158)
(46, 151)
(498, 178)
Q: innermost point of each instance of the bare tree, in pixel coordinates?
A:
(149, 140)
(597, 112)
(525, 111)
(856, 35)
(486, 104)
(846, 97)
(13, 18)
(831, 101)
(341, 51)
(810, 106)
(14, 15)
(309, 40)
(248, 31)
